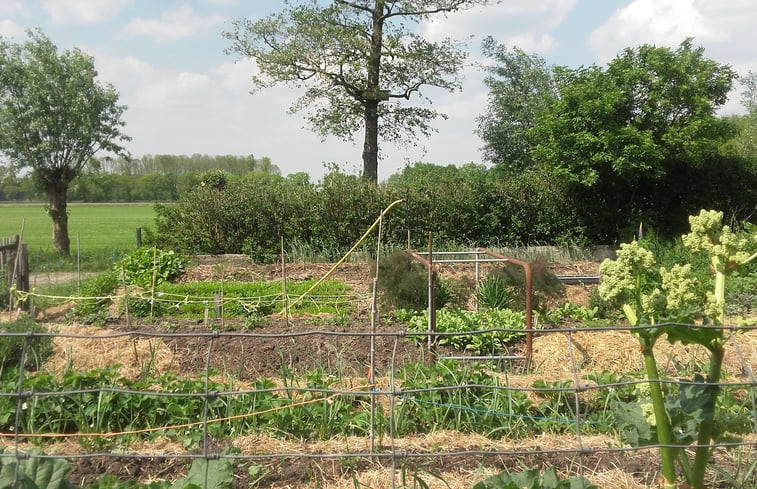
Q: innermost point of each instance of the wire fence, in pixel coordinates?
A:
(381, 398)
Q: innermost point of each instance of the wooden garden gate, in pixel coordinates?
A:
(14, 266)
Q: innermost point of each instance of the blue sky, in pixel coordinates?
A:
(184, 95)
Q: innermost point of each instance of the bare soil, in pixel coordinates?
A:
(284, 346)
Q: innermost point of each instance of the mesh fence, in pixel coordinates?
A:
(376, 418)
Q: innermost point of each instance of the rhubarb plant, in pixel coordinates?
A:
(656, 301)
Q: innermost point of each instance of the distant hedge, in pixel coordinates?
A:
(467, 205)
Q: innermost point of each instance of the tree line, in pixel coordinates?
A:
(636, 141)
(147, 179)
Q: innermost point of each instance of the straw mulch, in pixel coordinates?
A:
(132, 355)
(557, 356)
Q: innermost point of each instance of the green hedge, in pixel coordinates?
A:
(465, 205)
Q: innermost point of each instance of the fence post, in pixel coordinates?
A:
(16, 255)
(22, 277)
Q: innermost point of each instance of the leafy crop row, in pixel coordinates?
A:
(508, 326)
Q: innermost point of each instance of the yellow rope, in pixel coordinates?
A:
(354, 247)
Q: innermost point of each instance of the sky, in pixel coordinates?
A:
(185, 95)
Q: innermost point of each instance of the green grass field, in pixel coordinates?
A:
(102, 229)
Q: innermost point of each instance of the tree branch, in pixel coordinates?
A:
(354, 5)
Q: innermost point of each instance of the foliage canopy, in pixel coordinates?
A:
(359, 60)
(54, 116)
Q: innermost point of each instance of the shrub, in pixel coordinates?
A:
(144, 265)
(457, 321)
(404, 283)
(11, 347)
(4, 288)
(511, 284)
(98, 291)
(469, 204)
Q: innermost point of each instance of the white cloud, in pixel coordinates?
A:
(222, 2)
(668, 22)
(530, 43)
(83, 11)
(173, 24)
(8, 7)
(8, 28)
(724, 28)
(523, 23)
(237, 75)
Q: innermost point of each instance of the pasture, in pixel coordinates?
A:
(102, 229)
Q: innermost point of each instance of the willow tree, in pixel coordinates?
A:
(360, 60)
(54, 116)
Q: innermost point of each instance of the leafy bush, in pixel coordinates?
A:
(90, 411)
(463, 205)
(456, 321)
(585, 316)
(4, 288)
(96, 293)
(741, 294)
(146, 264)
(11, 347)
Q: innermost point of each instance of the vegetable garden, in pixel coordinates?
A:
(214, 373)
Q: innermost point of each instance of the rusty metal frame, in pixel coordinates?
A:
(529, 297)
(428, 263)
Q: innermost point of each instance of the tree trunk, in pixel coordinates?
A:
(373, 95)
(57, 193)
(370, 146)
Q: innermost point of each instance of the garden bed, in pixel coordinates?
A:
(280, 348)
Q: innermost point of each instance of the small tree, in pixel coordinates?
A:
(520, 86)
(54, 116)
(634, 138)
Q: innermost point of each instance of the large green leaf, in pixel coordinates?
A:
(219, 472)
(532, 479)
(36, 473)
(633, 425)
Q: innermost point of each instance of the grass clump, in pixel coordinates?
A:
(38, 348)
(241, 299)
(506, 284)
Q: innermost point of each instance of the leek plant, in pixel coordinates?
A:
(651, 296)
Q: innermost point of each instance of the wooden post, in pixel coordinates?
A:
(126, 295)
(22, 260)
(15, 256)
